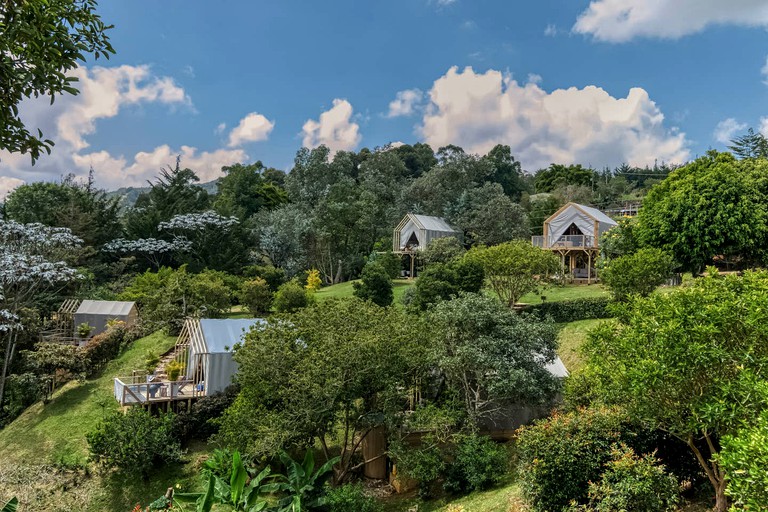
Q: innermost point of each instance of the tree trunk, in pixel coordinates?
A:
(8, 355)
(715, 474)
(722, 504)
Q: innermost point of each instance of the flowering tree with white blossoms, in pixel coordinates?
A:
(31, 261)
(153, 249)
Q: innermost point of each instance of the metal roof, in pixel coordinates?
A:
(105, 307)
(221, 335)
(433, 223)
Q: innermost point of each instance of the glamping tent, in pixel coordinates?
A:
(97, 313)
(574, 232)
(209, 354)
(416, 231)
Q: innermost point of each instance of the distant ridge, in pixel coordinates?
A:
(128, 195)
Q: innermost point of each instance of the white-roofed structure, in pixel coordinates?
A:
(574, 232)
(415, 232)
(98, 313)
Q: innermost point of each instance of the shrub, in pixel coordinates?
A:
(374, 285)
(256, 296)
(350, 497)
(151, 360)
(572, 310)
(424, 463)
(313, 280)
(200, 421)
(173, 370)
(105, 346)
(633, 484)
(639, 273)
(272, 275)
(443, 250)
(442, 281)
(745, 458)
(291, 297)
(559, 456)
(134, 442)
(391, 262)
(478, 464)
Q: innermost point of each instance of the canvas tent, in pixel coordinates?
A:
(97, 313)
(209, 359)
(576, 220)
(416, 231)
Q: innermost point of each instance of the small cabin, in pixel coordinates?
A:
(416, 231)
(99, 313)
(204, 349)
(574, 233)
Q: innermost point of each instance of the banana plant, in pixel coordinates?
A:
(11, 505)
(302, 484)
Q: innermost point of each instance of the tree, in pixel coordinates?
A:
(714, 206)
(744, 457)
(291, 297)
(256, 296)
(507, 171)
(418, 158)
(637, 274)
(375, 285)
(751, 145)
(491, 218)
(547, 180)
(247, 189)
(620, 240)
(513, 269)
(41, 43)
(688, 362)
(443, 250)
(444, 281)
(330, 373)
(491, 355)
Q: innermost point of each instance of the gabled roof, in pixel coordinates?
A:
(105, 307)
(221, 335)
(431, 223)
(588, 210)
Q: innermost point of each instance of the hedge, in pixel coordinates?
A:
(571, 310)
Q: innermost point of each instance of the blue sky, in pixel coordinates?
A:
(566, 81)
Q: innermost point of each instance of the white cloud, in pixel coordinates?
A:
(7, 184)
(445, 2)
(619, 21)
(764, 126)
(588, 126)
(533, 78)
(764, 72)
(726, 129)
(220, 128)
(252, 128)
(405, 103)
(335, 128)
(550, 30)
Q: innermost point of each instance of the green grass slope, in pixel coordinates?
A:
(56, 431)
(342, 290)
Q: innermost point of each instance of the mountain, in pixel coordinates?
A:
(128, 195)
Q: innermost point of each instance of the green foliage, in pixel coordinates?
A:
(689, 361)
(391, 262)
(330, 372)
(105, 346)
(561, 455)
(633, 484)
(272, 275)
(173, 370)
(202, 419)
(375, 285)
(714, 206)
(10, 505)
(744, 457)
(313, 280)
(751, 145)
(489, 217)
(302, 483)
(443, 250)
(256, 295)
(134, 442)
(424, 463)
(620, 240)
(513, 269)
(639, 273)
(490, 354)
(292, 297)
(151, 360)
(349, 497)
(84, 330)
(442, 281)
(565, 311)
(478, 463)
(247, 189)
(47, 40)
(557, 175)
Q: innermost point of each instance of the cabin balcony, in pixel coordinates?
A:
(136, 390)
(565, 242)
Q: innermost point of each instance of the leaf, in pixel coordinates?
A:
(11, 505)
(206, 503)
(239, 476)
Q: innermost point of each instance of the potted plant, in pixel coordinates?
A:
(84, 330)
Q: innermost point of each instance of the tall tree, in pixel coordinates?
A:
(507, 171)
(751, 145)
(547, 180)
(247, 189)
(40, 44)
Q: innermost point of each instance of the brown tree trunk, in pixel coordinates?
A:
(714, 473)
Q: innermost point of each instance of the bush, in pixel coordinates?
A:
(391, 262)
(442, 281)
(633, 484)
(443, 250)
(272, 275)
(349, 498)
(291, 297)
(106, 346)
(744, 457)
(173, 369)
(639, 273)
(424, 463)
(374, 285)
(134, 442)
(572, 310)
(313, 280)
(256, 296)
(200, 421)
(561, 455)
(479, 463)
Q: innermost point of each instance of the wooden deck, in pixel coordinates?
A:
(135, 390)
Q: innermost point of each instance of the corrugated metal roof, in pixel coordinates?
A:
(596, 214)
(434, 223)
(105, 307)
(221, 335)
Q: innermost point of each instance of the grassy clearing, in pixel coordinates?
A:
(501, 499)
(343, 290)
(56, 431)
(566, 292)
(570, 339)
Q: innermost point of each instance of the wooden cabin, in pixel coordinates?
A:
(414, 233)
(573, 232)
(204, 349)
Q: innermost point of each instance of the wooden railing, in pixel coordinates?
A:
(564, 242)
(136, 390)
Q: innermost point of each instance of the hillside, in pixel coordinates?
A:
(128, 195)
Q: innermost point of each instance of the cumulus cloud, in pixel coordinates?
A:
(726, 129)
(335, 128)
(588, 126)
(252, 128)
(618, 21)
(550, 30)
(405, 103)
(7, 184)
(71, 119)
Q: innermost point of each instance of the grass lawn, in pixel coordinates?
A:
(501, 499)
(570, 338)
(342, 290)
(566, 292)
(46, 433)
